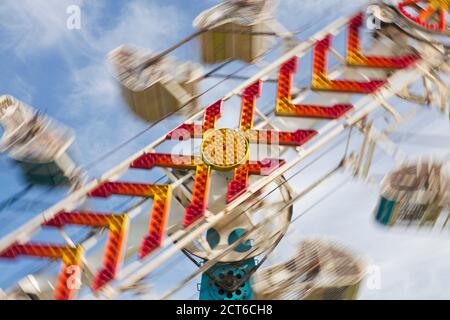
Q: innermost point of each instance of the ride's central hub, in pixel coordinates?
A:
(225, 149)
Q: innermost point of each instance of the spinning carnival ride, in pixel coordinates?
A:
(36, 143)
(227, 205)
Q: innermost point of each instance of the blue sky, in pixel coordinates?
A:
(65, 74)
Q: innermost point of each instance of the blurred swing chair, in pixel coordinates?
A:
(321, 270)
(414, 195)
(37, 144)
(235, 30)
(155, 88)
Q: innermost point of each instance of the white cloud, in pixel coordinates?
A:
(139, 24)
(144, 24)
(304, 14)
(91, 97)
(31, 25)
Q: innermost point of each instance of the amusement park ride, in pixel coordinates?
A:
(224, 206)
